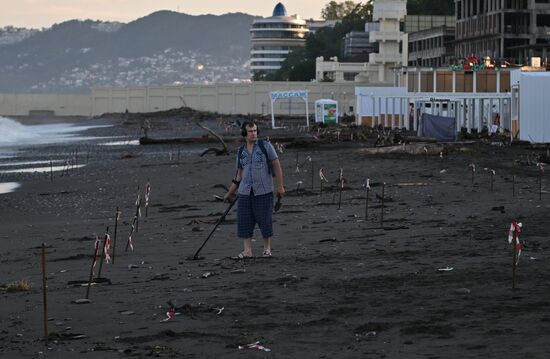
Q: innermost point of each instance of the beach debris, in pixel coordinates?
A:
(239, 270)
(18, 286)
(462, 291)
(127, 312)
(169, 315)
(446, 269)
(207, 274)
(443, 171)
(298, 184)
(132, 266)
(219, 311)
(82, 301)
(255, 345)
(218, 152)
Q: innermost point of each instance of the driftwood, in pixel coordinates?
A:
(218, 152)
(411, 149)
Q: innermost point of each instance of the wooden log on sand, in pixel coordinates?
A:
(411, 149)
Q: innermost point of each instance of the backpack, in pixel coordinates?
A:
(261, 144)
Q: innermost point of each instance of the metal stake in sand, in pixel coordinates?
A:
(117, 218)
(367, 188)
(540, 165)
(382, 208)
(103, 252)
(340, 187)
(312, 177)
(492, 179)
(473, 170)
(513, 185)
(322, 179)
(45, 292)
(94, 259)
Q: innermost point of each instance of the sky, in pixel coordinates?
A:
(45, 13)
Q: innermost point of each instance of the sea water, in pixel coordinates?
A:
(16, 137)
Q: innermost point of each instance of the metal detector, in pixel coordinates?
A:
(222, 218)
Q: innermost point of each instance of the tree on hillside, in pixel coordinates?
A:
(430, 7)
(337, 10)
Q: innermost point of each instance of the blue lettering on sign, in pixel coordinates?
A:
(288, 94)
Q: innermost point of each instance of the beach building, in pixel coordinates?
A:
(273, 38)
(512, 30)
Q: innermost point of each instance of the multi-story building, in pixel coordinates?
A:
(392, 49)
(431, 47)
(514, 30)
(273, 38)
(357, 43)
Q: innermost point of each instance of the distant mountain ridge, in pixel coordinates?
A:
(162, 48)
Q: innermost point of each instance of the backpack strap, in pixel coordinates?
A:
(264, 151)
(239, 154)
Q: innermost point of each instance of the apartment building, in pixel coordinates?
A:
(511, 30)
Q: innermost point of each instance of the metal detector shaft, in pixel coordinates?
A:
(222, 218)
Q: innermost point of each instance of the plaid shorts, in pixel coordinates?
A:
(255, 209)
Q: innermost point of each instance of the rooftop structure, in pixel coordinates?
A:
(273, 38)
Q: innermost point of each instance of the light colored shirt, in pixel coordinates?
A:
(255, 174)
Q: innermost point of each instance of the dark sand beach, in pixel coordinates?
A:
(434, 280)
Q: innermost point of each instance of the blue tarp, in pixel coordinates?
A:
(439, 127)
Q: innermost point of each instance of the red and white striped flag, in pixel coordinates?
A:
(514, 231)
(96, 246)
(138, 204)
(255, 345)
(147, 193)
(107, 248)
(322, 175)
(130, 236)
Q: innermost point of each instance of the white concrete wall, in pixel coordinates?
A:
(223, 98)
(60, 105)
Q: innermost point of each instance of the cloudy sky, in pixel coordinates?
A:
(44, 13)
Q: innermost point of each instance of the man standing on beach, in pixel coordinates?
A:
(257, 162)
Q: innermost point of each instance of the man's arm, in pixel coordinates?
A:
(279, 175)
(233, 187)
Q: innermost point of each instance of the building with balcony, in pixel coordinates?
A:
(431, 47)
(392, 49)
(273, 38)
(357, 44)
(513, 30)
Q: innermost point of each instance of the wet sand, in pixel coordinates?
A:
(339, 285)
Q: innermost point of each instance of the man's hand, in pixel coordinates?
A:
(280, 191)
(228, 198)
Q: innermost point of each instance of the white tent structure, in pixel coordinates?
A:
(534, 124)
